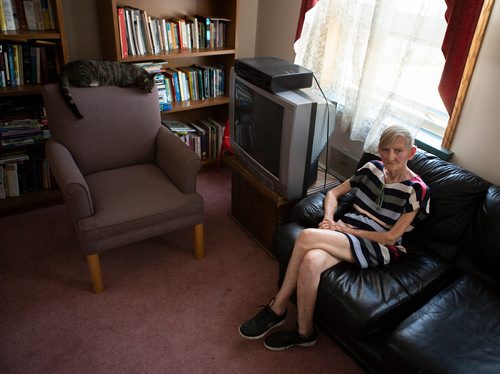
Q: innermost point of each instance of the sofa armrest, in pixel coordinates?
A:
(75, 189)
(177, 161)
(309, 211)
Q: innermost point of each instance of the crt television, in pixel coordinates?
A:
(279, 136)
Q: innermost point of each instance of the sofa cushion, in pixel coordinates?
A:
(458, 331)
(362, 302)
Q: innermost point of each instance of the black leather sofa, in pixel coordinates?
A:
(437, 309)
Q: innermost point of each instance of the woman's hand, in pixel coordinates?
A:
(328, 224)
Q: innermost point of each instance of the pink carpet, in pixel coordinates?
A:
(162, 311)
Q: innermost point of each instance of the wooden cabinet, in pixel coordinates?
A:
(29, 93)
(259, 210)
(186, 111)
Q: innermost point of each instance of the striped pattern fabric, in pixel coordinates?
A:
(377, 207)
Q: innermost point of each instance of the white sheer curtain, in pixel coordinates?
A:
(380, 60)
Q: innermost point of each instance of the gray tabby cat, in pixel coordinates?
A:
(91, 73)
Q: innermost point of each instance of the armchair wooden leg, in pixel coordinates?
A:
(199, 250)
(95, 273)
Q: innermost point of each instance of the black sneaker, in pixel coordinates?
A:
(281, 340)
(261, 323)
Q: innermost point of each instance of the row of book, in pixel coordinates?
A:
(24, 15)
(23, 172)
(204, 136)
(34, 62)
(22, 132)
(143, 34)
(195, 82)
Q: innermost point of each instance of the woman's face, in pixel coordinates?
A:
(396, 155)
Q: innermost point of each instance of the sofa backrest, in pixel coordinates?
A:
(456, 197)
(119, 127)
(481, 255)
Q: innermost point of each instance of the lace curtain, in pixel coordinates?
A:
(380, 60)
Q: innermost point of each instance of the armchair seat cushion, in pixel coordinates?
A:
(119, 210)
(455, 332)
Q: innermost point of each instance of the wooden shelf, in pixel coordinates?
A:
(22, 36)
(180, 54)
(28, 89)
(179, 106)
(29, 201)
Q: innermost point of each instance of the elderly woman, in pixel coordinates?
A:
(389, 199)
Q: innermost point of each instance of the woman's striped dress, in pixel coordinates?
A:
(377, 207)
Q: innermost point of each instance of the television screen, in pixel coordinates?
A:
(258, 127)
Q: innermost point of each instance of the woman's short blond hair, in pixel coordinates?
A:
(390, 134)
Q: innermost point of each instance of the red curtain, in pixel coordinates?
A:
(306, 5)
(462, 17)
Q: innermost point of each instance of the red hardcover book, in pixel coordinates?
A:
(123, 32)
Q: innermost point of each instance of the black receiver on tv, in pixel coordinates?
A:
(273, 74)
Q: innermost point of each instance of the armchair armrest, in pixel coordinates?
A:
(75, 189)
(177, 161)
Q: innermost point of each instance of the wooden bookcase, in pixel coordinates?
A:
(186, 111)
(32, 200)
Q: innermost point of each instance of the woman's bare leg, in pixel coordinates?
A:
(333, 243)
(313, 264)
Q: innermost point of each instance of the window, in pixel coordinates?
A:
(381, 61)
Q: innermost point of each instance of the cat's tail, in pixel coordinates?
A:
(64, 88)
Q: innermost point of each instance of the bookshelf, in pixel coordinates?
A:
(32, 92)
(186, 111)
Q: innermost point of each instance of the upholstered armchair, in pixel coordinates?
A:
(124, 177)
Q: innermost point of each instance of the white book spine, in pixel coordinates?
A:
(3, 193)
(12, 180)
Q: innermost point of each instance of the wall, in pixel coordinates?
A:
(82, 29)
(277, 24)
(247, 28)
(476, 143)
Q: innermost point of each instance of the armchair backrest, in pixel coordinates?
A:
(119, 127)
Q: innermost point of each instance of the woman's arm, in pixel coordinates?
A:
(386, 238)
(331, 202)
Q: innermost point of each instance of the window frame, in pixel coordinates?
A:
(470, 64)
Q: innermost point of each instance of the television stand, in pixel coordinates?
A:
(258, 209)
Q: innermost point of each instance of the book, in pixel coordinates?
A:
(46, 15)
(8, 12)
(206, 22)
(123, 32)
(3, 25)
(21, 17)
(52, 15)
(177, 126)
(29, 11)
(11, 180)
(130, 34)
(203, 139)
(3, 193)
(220, 134)
(39, 15)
